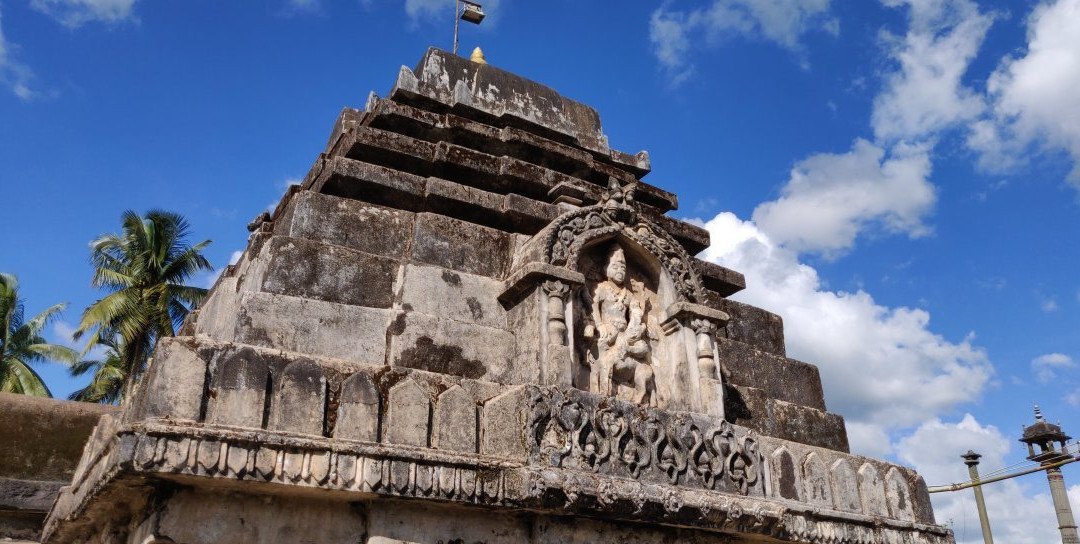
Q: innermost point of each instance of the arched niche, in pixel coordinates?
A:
(625, 344)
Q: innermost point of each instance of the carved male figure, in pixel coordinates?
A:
(624, 354)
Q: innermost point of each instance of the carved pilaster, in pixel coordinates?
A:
(705, 332)
(696, 325)
(556, 292)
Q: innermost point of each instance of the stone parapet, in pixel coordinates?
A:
(284, 425)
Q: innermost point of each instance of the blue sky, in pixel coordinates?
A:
(896, 178)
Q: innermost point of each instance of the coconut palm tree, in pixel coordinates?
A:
(107, 382)
(144, 268)
(22, 345)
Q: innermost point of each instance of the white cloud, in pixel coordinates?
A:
(1046, 366)
(1020, 510)
(830, 198)
(74, 13)
(1034, 96)
(882, 368)
(13, 74)
(1074, 400)
(783, 22)
(295, 6)
(64, 332)
(1048, 304)
(925, 95)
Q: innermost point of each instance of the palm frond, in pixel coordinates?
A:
(22, 379)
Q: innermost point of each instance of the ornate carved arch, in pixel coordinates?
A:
(575, 230)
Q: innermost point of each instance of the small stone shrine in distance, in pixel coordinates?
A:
(474, 323)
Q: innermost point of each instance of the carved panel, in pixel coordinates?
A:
(358, 410)
(785, 477)
(898, 493)
(570, 430)
(872, 491)
(299, 399)
(845, 486)
(454, 421)
(816, 481)
(407, 414)
(240, 386)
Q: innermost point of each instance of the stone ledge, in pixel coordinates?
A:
(215, 457)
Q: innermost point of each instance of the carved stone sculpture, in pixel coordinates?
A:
(622, 364)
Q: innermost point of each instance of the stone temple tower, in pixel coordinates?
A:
(473, 322)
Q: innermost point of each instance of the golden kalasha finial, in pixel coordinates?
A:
(477, 56)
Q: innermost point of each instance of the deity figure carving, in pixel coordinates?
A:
(622, 363)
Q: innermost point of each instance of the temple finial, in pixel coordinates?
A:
(477, 56)
(1038, 413)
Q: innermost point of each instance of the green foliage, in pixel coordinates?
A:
(22, 345)
(108, 375)
(144, 269)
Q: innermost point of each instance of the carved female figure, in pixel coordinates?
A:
(619, 318)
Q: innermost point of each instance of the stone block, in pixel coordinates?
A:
(217, 311)
(872, 491)
(299, 403)
(444, 346)
(314, 327)
(389, 149)
(786, 478)
(239, 388)
(461, 246)
(920, 500)
(343, 177)
(463, 297)
(749, 407)
(173, 385)
(454, 199)
(253, 519)
(352, 224)
(454, 423)
(471, 167)
(808, 425)
(358, 409)
(394, 522)
(898, 495)
(408, 414)
(845, 486)
(780, 377)
(523, 214)
(720, 280)
(306, 269)
(752, 326)
(816, 482)
(502, 425)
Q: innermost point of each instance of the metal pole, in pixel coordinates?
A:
(971, 459)
(1061, 505)
(457, 9)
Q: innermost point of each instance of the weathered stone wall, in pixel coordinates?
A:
(41, 441)
(402, 234)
